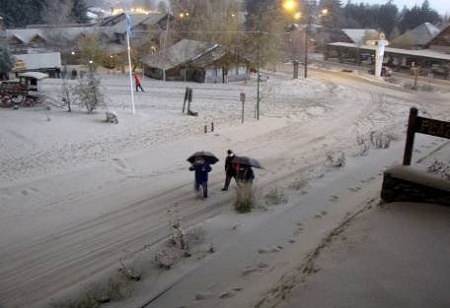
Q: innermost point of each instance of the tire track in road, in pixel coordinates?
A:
(46, 265)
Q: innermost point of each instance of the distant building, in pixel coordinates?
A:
(359, 36)
(49, 63)
(417, 38)
(190, 60)
(441, 41)
(110, 30)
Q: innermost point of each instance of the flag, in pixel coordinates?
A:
(128, 20)
(128, 24)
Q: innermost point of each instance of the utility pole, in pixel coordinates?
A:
(307, 34)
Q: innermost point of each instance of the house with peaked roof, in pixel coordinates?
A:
(441, 41)
(141, 24)
(111, 31)
(359, 36)
(45, 39)
(417, 38)
(190, 60)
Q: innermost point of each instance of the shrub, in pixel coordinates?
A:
(374, 140)
(68, 95)
(440, 168)
(88, 92)
(336, 161)
(244, 197)
(86, 300)
(118, 290)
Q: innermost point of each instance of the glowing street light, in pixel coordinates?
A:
(290, 5)
(183, 14)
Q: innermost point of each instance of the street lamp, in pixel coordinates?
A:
(323, 12)
(287, 5)
(307, 34)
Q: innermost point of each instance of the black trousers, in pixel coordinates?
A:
(138, 86)
(228, 180)
(204, 187)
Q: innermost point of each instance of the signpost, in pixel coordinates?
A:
(243, 101)
(425, 126)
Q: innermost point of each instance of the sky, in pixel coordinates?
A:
(441, 6)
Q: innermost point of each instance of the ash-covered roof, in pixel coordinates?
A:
(358, 36)
(421, 34)
(180, 53)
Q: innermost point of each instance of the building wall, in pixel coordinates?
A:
(440, 48)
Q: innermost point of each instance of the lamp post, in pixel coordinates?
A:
(324, 12)
(287, 5)
(307, 33)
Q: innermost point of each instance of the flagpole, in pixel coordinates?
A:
(129, 62)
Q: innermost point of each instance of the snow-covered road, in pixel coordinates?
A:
(77, 195)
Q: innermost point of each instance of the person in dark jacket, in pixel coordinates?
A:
(244, 174)
(230, 171)
(201, 168)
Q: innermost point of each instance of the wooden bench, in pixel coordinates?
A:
(412, 183)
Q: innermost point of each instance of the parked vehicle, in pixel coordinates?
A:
(24, 91)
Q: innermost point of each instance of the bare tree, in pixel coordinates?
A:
(58, 12)
(91, 50)
(57, 15)
(89, 93)
(67, 95)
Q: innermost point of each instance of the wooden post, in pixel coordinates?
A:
(186, 95)
(190, 95)
(188, 98)
(212, 126)
(243, 101)
(410, 136)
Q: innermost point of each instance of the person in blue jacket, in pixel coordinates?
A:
(201, 168)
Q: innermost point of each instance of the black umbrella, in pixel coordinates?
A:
(244, 160)
(207, 156)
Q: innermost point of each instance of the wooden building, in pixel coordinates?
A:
(190, 60)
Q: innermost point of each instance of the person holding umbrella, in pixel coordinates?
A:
(230, 171)
(244, 171)
(201, 165)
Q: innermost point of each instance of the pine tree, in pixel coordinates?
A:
(6, 62)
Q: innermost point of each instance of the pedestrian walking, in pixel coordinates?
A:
(137, 82)
(230, 171)
(201, 168)
(245, 174)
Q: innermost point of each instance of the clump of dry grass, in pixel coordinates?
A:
(245, 197)
(440, 168)
(336, 161)
(93, 297)
(373, 140)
